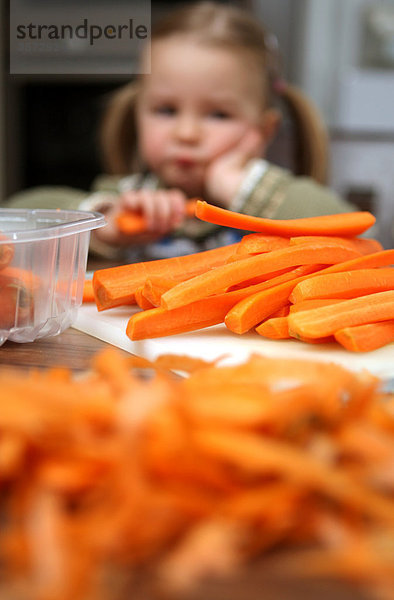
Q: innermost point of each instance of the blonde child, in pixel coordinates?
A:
(199, 126)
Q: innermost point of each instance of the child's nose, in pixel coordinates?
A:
(187, 128)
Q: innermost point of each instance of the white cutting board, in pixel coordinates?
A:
(218, 341)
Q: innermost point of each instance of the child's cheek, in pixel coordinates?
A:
(225, 138)
(151, 149)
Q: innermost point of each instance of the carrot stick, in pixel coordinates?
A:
(132, 223)
(159, 322)
(219, 279)
(326, 320)
(344, 224)
(116, 286)
(364, 338)
(363, 245)
(348, 284)
(252, 311)
(254, 243)
(155, 286)
(16, 301)
(6, 251)
(257, 307)
(202, 313)
(275, 328)
(315, 303)
(141, 300)
(88, 295)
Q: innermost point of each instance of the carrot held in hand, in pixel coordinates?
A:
(364, 338)
(327, 320)
(132, 223)
(343, 224)
(348, 284)
(219, 279)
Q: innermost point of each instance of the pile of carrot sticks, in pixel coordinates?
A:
(110, 475)
(313, 279)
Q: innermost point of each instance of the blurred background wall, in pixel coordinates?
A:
(341, 52)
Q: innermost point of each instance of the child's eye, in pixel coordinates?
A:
(220, 114)
(165, 109)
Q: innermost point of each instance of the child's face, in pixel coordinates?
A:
(197, 104)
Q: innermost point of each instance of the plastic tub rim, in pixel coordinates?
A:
(75, 222)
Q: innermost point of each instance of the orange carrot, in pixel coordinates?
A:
(257, 307)
(22, 277)
(344, 224)
(275, 328)
(326, 320)
(155, 286)
(141, 300)
(252, 311)
(254, 243)
(220, 278)
(315, 303)
(88, 295)
(363, 245)
(16, 301)
(131, 223)
(364, 338)
(202, 313)
(159, 322)
(116, 286)
(6, 251)
(347, 284)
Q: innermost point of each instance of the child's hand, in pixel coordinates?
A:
(163, 210)
(225, 173)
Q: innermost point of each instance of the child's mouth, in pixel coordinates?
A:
(185, 163)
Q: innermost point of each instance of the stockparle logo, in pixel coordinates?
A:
(84, 31)
(62, 37)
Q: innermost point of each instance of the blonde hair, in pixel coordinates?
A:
(224, 26)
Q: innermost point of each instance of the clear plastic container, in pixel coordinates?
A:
(43, 255)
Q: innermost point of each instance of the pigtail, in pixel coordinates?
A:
(312, 140)
(118, 131)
